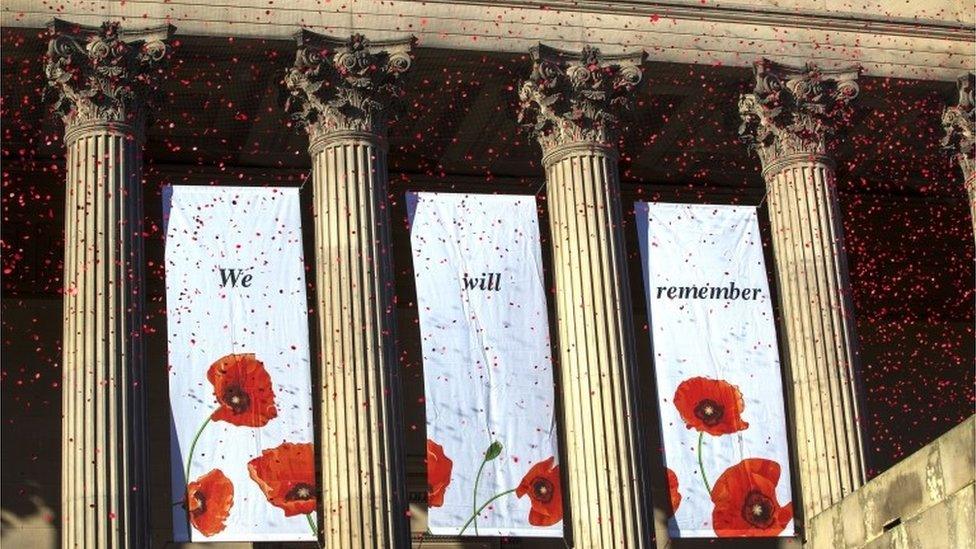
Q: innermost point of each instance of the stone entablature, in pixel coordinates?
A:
(931, 40)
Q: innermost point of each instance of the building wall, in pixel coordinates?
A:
(924, 501)
(931, 40)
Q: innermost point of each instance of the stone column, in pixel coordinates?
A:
(570, 104)
(101, 78)
(958, 122)
(342, 92)
(787, 121)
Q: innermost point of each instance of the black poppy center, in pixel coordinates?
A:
(201, 507)
(758, 509)
(709, 411)
(300, 491)
(238, 400)
(542, 490)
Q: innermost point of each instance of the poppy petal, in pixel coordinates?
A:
(541, 484)
(709, 405)
(745, 501)
(675, 496)
(286, 475)
(439, 469)
(243, 390)
(208, 502)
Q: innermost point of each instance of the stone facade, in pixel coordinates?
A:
(344, 90)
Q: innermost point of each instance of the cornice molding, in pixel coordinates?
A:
(749, 15)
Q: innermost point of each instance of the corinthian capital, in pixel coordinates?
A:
(103, 75)
(793, 110)
(958, 122)
(345, 85)
(573, 98)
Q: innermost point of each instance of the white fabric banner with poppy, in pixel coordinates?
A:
(492, 460)
(716, 363)
(243, 466)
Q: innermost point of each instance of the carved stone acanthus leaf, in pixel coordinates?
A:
(103, 75)
(794, 110)
(958, 122)
(349, 84)
(577, 98)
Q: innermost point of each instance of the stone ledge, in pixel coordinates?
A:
(924, 501)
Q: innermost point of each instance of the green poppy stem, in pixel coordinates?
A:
(482, 508)
(311, 524)
(701, 466)
(193, 446)
(474, 496)
(494, 450)
(189, 462)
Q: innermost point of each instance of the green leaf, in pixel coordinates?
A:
(493, 451)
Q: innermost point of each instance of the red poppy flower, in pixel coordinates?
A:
(541, 483)
(673, 490)
(745, 501)
(286, 475)
(208, 502)
(710, 405)
(243, 389)
(439, 469)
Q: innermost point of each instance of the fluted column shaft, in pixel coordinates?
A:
(361, 469)
(104, 461)
(342, 92)
(570, 104)
(818, 318)
(102, 79)
(596, 349)
(787, 120)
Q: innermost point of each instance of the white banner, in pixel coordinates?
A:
(239, 384)
(717, 368)
(492, 459)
